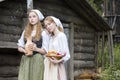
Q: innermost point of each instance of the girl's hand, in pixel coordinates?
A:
(31, 46)
(55, 61)
(34, 47)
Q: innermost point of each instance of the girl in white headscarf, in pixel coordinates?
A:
(32, 64)
(54, 68)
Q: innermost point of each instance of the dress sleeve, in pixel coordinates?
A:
(21, 41)
(64, 47)
(45, 37)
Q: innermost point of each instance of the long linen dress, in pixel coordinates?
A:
(32, 67)
(57, 71)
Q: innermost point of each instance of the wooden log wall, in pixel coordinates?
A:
(12, 17)
(9, 64)
(84, 48)
(11, 20)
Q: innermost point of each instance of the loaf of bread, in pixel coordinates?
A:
(29, 41)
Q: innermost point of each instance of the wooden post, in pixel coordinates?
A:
(106, 7)
(97, 36)
(103, 46)
(114, 9)
(29, 5)
(110, 45)
(71, 73)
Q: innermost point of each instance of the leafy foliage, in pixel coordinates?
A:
(97, 5)
(111, 72)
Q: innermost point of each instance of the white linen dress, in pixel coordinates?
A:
(57, 71)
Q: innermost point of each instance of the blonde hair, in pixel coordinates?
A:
(29, 29)
(51, 20)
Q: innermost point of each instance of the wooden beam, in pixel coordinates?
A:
(8, 45)
(103, 47)
(29, 5)
(12, 70)
(110, 46)
(71, 74)
(97, 36)
(83, 64)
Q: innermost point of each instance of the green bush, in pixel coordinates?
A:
(111, 72)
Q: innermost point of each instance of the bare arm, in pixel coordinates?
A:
(21, 49)
(39, 50)
(55, 61)
(34, 48)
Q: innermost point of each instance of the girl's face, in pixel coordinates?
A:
(50, 26)
(33, 18)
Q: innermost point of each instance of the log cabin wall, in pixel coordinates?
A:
(11, 18)
(81, 36)
(84, 48)
(9, 64)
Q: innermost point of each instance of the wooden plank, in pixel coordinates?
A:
(83, 64)
(8, 71)
(13, 5)
(84, 42)
(84, 49)
(8, 44)
(9, 37)
(71, 65)
(8, 78)
(84, 27)
(10, 20)
(84, 56)
(84, 35)
(10, 29)
(9, 12)
(8, 59)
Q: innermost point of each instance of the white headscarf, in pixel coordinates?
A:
(40, 15)
(57, 21)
